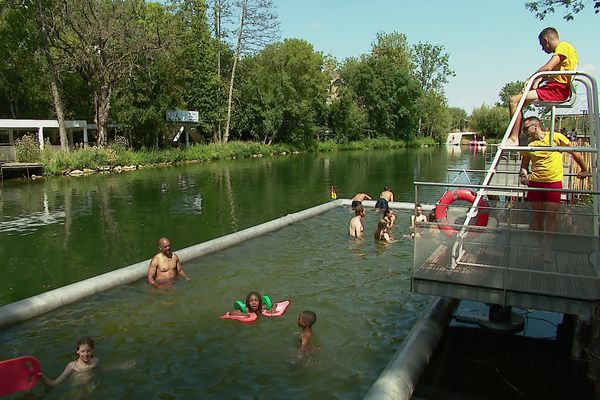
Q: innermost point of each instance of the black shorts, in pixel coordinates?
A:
(382, 204)
(356, 203)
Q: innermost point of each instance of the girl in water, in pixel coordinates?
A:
(84, 363)
(254, 304)
(382, 233)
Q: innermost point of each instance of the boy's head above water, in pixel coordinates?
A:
(306, 319)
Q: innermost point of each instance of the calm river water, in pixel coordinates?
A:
(60, 230)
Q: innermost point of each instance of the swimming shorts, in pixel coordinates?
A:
(553, 91)
(356, 203)
(382, 204)
(545, 197)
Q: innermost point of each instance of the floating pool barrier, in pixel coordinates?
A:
(399, 379)
(42, 303)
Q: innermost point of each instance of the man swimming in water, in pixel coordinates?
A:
(356, 229)
(165, 266)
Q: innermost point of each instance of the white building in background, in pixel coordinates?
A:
(12, 129)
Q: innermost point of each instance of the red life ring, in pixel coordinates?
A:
(441, 209)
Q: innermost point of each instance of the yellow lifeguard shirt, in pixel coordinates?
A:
(547, 166)
(570, 58)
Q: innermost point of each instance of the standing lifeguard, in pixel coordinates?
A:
(546, 172)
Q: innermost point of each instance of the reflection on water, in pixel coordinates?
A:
(183, 350)
(30, 222)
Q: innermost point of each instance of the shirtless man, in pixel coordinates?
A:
(417, 217)
(356, 228)
(165, 266)
(384, 198)
(358, 198)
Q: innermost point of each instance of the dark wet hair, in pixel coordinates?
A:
(248, 300)
(85, 340)
(309, 317)
(359, 209)
(381, 225)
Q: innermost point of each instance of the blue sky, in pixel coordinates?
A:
(490, 42)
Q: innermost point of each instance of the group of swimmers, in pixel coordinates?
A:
(164, 269)
(306, 319)
(383, 232)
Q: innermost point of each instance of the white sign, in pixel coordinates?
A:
(182, 116)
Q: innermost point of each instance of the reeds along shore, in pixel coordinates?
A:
(57, 162)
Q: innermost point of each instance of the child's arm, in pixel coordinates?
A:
(270, 310)
(67, 371)
(388, 238)
(238, 312)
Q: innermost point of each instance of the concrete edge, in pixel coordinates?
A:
(400, 377)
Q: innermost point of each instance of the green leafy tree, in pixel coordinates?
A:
(104, 42)
(393, 47)
(541, 8)
(490, 121)
(23, 74)
(387, 92)
(178, 74)
(436, 119)
(283, 91)
(431, 66)
(346, 120)
(258, 26)
(458, 118)
(432, 69)
(509, 90)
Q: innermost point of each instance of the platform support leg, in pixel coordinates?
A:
(594, 350)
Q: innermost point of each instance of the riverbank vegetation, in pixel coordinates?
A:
(115, 156)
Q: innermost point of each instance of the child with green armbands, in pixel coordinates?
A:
(255, 303)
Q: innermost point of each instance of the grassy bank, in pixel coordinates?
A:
(94, 158)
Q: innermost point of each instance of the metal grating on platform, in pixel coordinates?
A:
(545, 271)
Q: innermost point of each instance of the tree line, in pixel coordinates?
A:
(130, 61)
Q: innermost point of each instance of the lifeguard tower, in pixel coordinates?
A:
(489, 253)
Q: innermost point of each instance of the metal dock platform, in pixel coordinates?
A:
(506, 263)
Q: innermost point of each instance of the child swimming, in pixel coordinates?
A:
(306, 320)
(254, 304)
(84, 363)
(382, 233)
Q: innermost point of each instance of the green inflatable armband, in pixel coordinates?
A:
(266, 301)
(239, 305)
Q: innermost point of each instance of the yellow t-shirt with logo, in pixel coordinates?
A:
(569, 62)
(547, 166)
